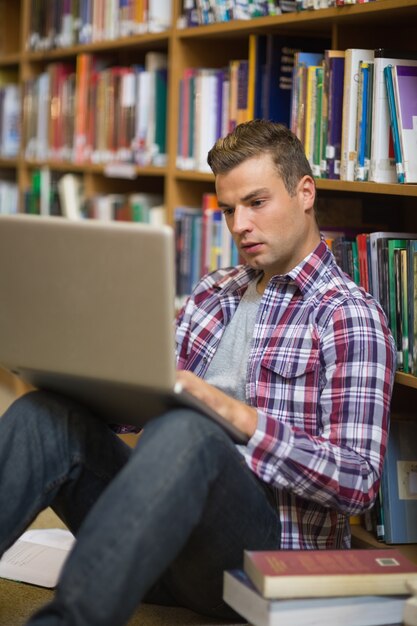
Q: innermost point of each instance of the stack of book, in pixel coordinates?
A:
(326, 587)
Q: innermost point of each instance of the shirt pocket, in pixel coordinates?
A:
(289, 384)
(292, 362)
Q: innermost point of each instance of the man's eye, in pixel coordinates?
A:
(257, 203)
(227, 212)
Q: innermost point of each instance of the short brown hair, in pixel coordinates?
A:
(257, 137)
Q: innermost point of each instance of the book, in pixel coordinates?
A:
(278, 69)
(362, 240)
(353, 56)
(317, 573)
(10, 111)
(242, 109)
(311, 104)
(159, 15)
(156, 65)
(395, 300)
(335, 66)
(393, 116)
(147, 208)
(375, 239)
(144, 86)
(318, 132)
(259, 58)
(83, 73)
(243, 597)
(412, 305)
(186, 120)
(382, 166)
(206, 114)
(404, 78)
(361, 170)
(399, 482)
(252, 65)
(302, 60)
(71, 196)
(37, 557)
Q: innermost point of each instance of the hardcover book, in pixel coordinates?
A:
(242, 596)
(302, 60)
(393, 116)
(363, 123)
(335, 64)
(382, 167)
(395, 299)
(375, 243)
(353, 57)
(327, 573)
(399, 482)
(405, 93)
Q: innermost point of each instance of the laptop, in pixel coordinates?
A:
(87, 310)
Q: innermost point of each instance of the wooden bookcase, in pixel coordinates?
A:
(383, 23)
(390, 23)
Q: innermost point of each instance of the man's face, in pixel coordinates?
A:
(273, 231)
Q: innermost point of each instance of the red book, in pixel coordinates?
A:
(209, 207)
(361, 240)
(326, 573)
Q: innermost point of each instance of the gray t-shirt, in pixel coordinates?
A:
(227, 370)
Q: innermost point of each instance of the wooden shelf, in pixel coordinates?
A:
(367, 187)
(125, 170)
(361, 538)
(406, 379)
(147, 40)
(10, 59)
(326, 185)
(321, 20)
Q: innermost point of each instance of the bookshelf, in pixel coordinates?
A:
(389, 23)
(371, 25)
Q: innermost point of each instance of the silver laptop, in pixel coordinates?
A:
(87, 310)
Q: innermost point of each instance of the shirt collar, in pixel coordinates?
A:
(305, 275)
(311, 270)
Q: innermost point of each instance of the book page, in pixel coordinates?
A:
(37, 557)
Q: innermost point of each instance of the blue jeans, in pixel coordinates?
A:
(158, 524)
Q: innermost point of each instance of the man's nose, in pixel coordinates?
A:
(241, 220)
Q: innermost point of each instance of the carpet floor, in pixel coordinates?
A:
(19, 601)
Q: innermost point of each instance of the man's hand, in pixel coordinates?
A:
(244, 417)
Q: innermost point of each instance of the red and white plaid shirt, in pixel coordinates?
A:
(320, 373)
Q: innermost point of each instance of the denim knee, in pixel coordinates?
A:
(189, 427)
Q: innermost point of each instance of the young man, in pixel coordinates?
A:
(285, 346)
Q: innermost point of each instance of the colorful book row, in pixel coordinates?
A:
(10, 113)
(203, 243)
(335, 101)
(385, 264)
(63, 23)
(88, 111)
(52, 193)
(200, 12)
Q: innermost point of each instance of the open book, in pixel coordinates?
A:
(37, 557)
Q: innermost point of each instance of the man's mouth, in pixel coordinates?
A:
(251, 247)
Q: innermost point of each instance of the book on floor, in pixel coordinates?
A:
(317, 573)
(240, 593)
(37, 557)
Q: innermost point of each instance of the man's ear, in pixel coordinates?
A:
(307, 190)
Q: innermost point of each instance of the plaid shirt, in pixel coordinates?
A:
(320, 373)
